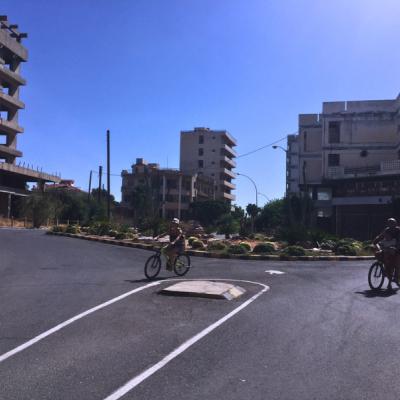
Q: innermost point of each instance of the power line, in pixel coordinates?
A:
(262, 147)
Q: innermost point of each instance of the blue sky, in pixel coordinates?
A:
(146, 69)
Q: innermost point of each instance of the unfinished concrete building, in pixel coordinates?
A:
(13, 178)
(347, 159)
(210, 153)
(169, 191)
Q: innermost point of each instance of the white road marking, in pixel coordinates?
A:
(43, 335)
(128, 386)
(273, 272)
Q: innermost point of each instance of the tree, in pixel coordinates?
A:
(209, 211)
(228, 225)
(253, 211)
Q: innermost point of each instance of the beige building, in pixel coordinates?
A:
(171, 191)
(210, 153)
(348, 159)
(13, 178)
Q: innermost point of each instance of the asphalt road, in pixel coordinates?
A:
(318, 333)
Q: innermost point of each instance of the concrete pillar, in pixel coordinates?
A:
(179, 196)
(164, 189)
(9, 206)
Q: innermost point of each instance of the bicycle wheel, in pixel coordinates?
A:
(376, 276)
(182, 265)
(152, 266)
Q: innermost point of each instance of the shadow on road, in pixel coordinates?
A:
(378, 293)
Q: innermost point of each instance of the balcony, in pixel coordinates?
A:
(230, 139)
(11, 77)
(228, 172)
(227, 161)
(10, 127)
(229, 196)
(10, 101)
(6, 151)
(229, 185)
(229, 150)
(391, 167)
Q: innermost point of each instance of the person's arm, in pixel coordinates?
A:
(378, 239)
(160, 236)
(179, 237)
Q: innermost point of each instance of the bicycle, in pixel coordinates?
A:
(377, 274)
(153, 264)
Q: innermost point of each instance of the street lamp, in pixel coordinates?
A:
(263, 195)
(279, 147)
(255, 186)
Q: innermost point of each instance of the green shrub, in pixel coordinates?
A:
(346, 250)
(217, 245)
(328, 245)
(237, 249)
(192, 239)
(121, 236)
(58, 229)
(294, 251)
(266, 248)
(72, 229)
(198, 244)
(245, 245)
(113, 233)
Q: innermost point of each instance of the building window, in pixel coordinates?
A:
(201, 139)
(201, 151)
(333, 160)
(201, 163)
(334, 132)
(324, 194)
(212, 162)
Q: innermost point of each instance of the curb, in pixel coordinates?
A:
(197, 253)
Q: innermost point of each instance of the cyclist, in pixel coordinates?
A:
(176, 242)
(388, 250)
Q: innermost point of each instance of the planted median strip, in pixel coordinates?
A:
(211, 254)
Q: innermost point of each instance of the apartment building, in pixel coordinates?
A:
(347, 159)
(210, 153)
(171, 191)
(13, 178)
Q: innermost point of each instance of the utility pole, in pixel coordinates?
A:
(108, 178)
(90, 184)
(100, 175)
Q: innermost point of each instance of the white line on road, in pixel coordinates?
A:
(43, 335)
(274, 272)
(175, 353)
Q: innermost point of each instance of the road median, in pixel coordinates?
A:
(199, 253)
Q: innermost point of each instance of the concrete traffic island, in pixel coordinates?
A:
(207, 289)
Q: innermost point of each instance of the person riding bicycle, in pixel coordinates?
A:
(176, 242)
(388, 250)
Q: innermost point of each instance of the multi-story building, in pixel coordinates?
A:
(13, 178)
(169, 191)
(348, 160)
(210, 153)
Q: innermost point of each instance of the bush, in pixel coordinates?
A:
(294, 251)
(245, 245)
(266, 248)
(121, 236)
(72, 229)
(192, 239)
(58, 228)
(346, 250)
(198, 244)
(113, 233)
(237, 249)
(217, 245)
(328, 245)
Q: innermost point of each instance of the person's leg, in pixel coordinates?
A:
(169, 252)
(389, 261)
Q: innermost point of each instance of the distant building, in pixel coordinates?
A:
(172, 191)
(348, 160)
(210, 153)
(64, 184)
(13, 178)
